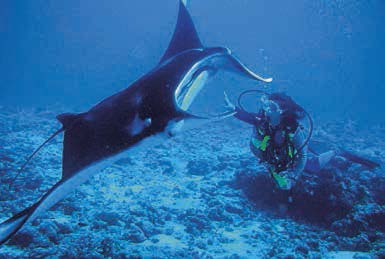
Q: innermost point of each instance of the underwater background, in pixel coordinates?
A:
(329, 55)
(203, 194)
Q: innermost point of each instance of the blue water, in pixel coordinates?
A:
(329, 55)
(203, 194)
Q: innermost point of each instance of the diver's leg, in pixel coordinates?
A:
(371, 165)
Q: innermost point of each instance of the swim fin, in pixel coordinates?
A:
(371, 165)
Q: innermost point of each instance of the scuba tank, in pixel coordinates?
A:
(282, 145)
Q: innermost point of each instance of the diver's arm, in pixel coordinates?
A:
(241, 114)
(248, 117)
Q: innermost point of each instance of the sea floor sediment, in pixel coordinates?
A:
(199, 194)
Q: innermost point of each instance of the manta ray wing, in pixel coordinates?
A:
(185, 36)
(138, 117)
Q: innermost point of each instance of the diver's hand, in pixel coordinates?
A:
(228, 104)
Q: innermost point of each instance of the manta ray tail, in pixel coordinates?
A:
(67, 120)
(33, 154)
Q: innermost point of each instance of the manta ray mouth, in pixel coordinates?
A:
(195, 79)
(190, 88)
(189, 92)
(201, 97)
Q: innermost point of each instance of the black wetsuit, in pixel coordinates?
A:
(276, 153)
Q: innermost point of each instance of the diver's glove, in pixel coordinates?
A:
(283, 182)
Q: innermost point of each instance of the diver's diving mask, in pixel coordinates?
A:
(272, 110)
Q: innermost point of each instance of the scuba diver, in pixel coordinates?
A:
(280, 141)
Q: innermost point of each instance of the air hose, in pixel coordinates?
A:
(306, 113)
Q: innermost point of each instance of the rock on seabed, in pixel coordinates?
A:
(200, 194)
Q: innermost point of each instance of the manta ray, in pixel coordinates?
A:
(153, 108)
